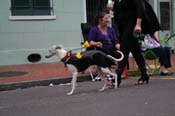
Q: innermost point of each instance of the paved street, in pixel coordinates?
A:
(155, 99)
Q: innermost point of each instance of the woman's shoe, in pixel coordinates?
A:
(164, 74)
(118, 83)
(142, 80)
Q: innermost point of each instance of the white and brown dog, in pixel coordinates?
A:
(88, 58)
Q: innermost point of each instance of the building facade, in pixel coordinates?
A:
(25, 37)
(29, 27)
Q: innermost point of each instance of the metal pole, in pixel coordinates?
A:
(84, 11)
(171, 17)
(171, 20)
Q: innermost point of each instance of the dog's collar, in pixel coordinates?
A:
(66, 57)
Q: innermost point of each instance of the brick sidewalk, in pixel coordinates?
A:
(34, 72)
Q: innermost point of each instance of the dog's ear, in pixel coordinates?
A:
(59, 47)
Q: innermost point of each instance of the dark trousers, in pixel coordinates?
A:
(164, 55)
(134, 48)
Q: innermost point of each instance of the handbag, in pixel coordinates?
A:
(149, 43)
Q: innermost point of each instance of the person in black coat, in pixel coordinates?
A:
(133, 17)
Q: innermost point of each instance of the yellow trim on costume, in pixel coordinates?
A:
(86, 44)
(78, 55)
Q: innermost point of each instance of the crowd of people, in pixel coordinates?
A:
(131, 17)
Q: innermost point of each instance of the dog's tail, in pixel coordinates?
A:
(115, 59)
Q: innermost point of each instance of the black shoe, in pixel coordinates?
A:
(118, 82)
(142, 80)
(165, 74)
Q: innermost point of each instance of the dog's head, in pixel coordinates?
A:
(56, 50)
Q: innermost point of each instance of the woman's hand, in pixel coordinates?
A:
(117, 46)
(109, 6)
(99, 44)
(137, 27)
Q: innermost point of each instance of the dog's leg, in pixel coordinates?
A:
(91, 74)
(108, 71)
(100, 72)
(115, 76)
(74, 71)
(105, 83)
(104, 71)
(73, 83)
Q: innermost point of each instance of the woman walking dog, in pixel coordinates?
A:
(133, 17)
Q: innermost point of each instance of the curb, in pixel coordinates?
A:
(23, 85)
(56, 81)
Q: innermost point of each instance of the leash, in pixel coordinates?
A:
(84, 45)
(75, 49)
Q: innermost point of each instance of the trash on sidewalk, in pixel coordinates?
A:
(51, 85)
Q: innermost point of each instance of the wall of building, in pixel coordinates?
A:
(19, 39)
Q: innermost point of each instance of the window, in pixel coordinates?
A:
(165, 15)
(27, 8)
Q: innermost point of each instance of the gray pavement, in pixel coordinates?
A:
(154, 99)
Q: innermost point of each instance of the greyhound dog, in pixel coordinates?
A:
(87, 58)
